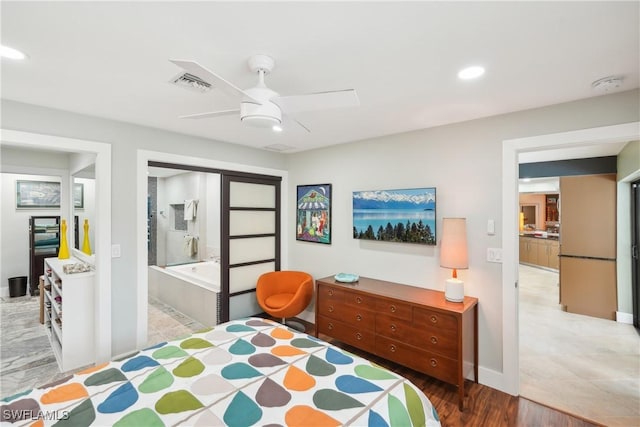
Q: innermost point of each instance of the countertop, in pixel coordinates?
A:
(538, 236)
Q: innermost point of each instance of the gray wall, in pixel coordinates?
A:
(463, 161)
(125, 140)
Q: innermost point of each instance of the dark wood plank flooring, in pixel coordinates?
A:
(484, 406)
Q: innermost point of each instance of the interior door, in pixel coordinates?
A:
(250, 240)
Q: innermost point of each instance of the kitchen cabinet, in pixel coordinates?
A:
(528, 250)
(539, 252)
(548, 252)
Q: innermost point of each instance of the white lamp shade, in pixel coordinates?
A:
(453, 249)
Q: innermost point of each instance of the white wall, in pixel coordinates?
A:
(464, 162)
(126, 140)
(14, 259)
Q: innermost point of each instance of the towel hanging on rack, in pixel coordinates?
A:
(190, 209)
(190, 245)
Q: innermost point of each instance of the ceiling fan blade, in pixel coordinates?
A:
(298, 122)
(210, 114)
(317, 101)
(215, 80)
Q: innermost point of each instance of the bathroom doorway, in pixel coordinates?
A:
(210, 234)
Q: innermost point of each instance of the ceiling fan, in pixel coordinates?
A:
(259, 105)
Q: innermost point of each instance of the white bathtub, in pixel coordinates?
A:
(192, 289)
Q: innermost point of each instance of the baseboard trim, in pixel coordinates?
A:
(622, 317)
(493, 379)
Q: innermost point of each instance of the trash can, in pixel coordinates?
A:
(17, 286)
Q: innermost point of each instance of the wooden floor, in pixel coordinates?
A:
(484, 406)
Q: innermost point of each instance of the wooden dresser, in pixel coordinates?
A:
(411, 326)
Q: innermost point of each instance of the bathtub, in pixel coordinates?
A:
(192, 289)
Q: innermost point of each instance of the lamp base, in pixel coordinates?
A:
(454, 290)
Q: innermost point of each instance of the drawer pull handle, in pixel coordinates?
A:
(392, 348)
(433, 319)
(434, 362)
(358, 317)
(359, 300)
(330, 309)
(434, 340)
(358, 336)
(330, 326)
(393, 328)
(330, 292)
(392, 308)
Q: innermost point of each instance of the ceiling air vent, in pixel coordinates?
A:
(278, 147)
(189, 81)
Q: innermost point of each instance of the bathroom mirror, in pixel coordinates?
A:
(83, 213)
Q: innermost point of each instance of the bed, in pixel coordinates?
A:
(240, 373)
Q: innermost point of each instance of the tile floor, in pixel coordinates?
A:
(582, 365)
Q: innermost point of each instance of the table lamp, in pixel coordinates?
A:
(453, 254)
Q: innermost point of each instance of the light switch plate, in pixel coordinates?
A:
(491, 227)
(115, 251)
(494, 255)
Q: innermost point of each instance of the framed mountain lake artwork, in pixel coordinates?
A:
(404, 215)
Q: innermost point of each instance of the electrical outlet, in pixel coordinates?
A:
(494, 255)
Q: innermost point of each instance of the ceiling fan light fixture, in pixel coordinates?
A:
(470, 73)
(277, 128)
(11, 53)
(261, 121)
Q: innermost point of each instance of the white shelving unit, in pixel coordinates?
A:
(71, 335)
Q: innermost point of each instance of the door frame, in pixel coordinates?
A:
(102, 226)
(143, 158)
(635, 244)
(509, 380)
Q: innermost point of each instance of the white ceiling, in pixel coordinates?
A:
(110, 59)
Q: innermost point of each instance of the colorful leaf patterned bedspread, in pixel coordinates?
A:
(241, 373)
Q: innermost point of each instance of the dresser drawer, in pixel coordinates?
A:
(358, 337)
(360, 300)
(439, 341)
(359, 317)
(394, 308)
(433, 339)
(435, 319)
(327, 293)
(432, 364)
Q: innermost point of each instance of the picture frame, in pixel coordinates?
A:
(313, 213)
(37, 194)
(402, 215)
(78, 195)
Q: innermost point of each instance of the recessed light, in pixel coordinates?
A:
(472, 72)
(11, 53)
(277, 128)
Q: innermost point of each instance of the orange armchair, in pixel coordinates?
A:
(283, 294)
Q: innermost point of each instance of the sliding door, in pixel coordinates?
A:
(250, 239)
